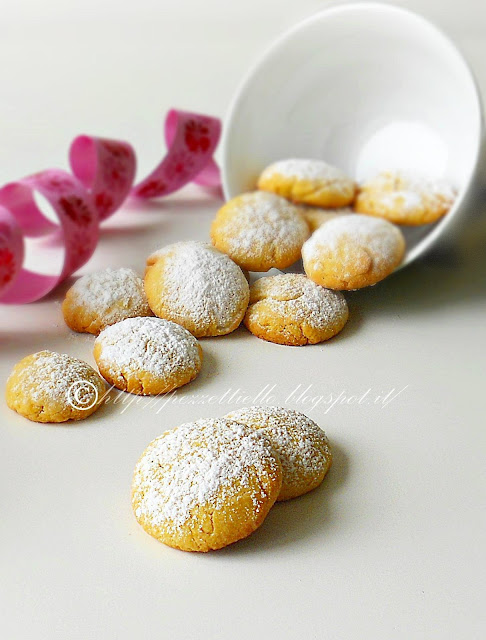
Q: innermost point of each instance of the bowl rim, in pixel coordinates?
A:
(350, 5)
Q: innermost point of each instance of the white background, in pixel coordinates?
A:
(391, 545)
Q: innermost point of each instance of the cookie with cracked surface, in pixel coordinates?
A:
(197, 286)
(54, 387)
(260, 230)
(351, 252)
(405, 197)
(147, 356)
(301, 445)
(291, 309)
(206, 484)
(307, 181)
(100, 299)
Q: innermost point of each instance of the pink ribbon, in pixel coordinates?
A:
(103, 173)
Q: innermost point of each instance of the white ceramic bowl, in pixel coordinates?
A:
(365, 87)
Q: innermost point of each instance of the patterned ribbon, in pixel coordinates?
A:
(102, 177)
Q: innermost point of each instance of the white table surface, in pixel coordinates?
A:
(391, 545)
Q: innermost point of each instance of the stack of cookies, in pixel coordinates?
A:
(209, 483)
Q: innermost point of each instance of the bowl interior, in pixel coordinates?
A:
(365, 87)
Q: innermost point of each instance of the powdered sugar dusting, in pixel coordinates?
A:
(311, 170)
(202, 284)
(412, 182)
(51, 375)
(152, 345)
(300, 443)
(198, 464)
(111, 295)
(409, 191)
(407, 200)
(379, 238)
(295, 296)
(265, 220)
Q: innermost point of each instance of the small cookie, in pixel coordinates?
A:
(147, 356)
(353, 251)
(405, 198)
(205, 484)
(197, 286)
(308, 182)
(53, 387)
(300, 443)
(316, 216)
(100, 299)
(259, 230)
(291, 309)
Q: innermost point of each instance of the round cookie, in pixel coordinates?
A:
(54, 387)
(353, 251)
(100, 299)
(147, 356)
(316, 216)
(308, 182)
(291, 309)
(197, 286)
(260, 230)
(205, 484)
(301, 445)
(405, 198)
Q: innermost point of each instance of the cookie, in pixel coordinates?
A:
(291, 309)
(100, 299)
(353, 251)
(197, 286)
(259, 230)
(316, 216)
(301, 445)
(205, 484)
(405, 198)
(308, 182)
(147, 356)
(53, 387)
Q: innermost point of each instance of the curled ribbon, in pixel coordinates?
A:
(102, 177)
